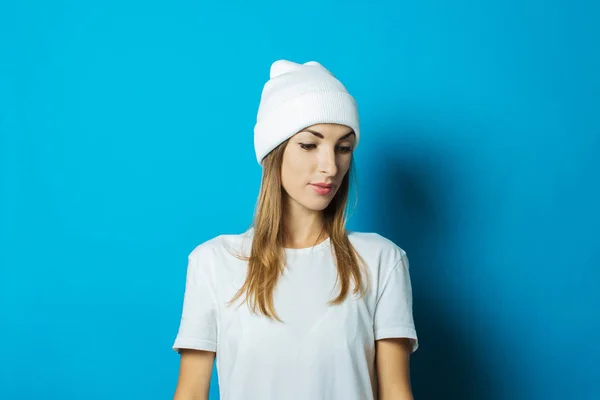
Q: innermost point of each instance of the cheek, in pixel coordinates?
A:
(344, 166)
(294, 173)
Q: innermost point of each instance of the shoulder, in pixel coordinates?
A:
(374, 243)
(386, 261)
(206, 247)
(221, 243)
(220, 253)
(377, 249)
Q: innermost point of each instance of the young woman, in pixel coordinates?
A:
(297, 307)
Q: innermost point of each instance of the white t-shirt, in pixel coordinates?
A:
(319, 351)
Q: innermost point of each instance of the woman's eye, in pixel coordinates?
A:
(345, 149)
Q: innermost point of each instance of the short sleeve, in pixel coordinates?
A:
(198, 325)
(393, 312)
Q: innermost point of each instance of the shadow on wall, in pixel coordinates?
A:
(416, 214)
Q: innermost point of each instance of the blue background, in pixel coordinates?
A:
(126, 140)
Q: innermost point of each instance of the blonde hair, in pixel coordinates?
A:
(266, 261)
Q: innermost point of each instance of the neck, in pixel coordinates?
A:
(303, 227)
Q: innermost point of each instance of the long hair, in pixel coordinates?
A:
(266, 261)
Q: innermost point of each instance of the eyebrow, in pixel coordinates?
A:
(320, 135)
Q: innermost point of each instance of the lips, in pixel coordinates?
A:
(322, 189)
(323, 185)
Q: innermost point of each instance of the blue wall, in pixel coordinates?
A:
(126, 140)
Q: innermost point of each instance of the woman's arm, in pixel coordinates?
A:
(393, 370)
(195, 370)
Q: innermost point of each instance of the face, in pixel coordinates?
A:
(315, 161)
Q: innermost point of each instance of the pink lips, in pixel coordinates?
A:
(322, 189)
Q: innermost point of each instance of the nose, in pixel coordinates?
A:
(328, 162)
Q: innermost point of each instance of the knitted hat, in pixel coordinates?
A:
(298, 96)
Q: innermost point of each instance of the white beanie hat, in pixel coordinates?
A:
(297, 96)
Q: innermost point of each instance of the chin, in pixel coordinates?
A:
(317, 205)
